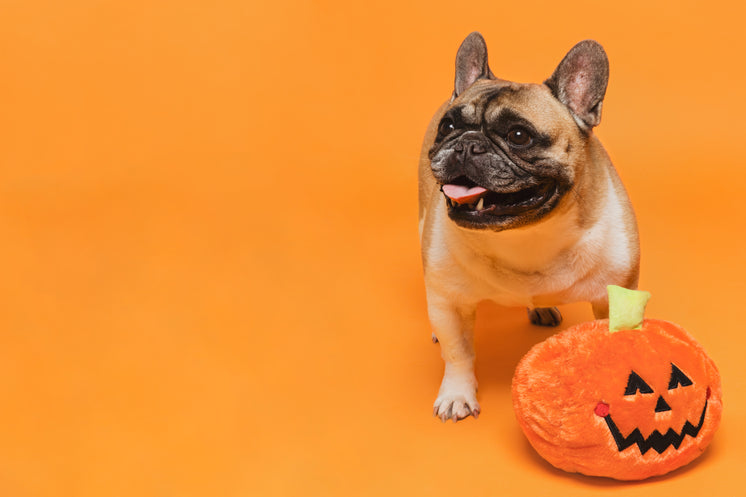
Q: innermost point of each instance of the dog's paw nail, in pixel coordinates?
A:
(456, 409)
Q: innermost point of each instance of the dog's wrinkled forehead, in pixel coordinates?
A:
(474, 102)
(486, 99)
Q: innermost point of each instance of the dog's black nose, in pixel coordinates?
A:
(470, 147)
(476, 148)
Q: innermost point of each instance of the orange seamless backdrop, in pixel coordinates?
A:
(211, 279)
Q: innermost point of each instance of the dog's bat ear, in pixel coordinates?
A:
(580, 82)
(471, 63)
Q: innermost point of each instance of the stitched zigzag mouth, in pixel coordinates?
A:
(656, 441)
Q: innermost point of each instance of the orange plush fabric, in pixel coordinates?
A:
(626, 405)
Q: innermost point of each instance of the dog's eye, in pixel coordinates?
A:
(519, 137)
(446, 126)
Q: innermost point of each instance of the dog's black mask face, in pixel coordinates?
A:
(506, 154)
(485, 141)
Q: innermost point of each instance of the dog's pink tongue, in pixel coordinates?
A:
(463, 194)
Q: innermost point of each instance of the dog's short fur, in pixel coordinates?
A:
(519, 204)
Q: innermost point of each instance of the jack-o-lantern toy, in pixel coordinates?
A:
(626, 397)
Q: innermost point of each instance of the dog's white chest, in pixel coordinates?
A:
(514, 267)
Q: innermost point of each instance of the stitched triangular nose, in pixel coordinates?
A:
(662, 405)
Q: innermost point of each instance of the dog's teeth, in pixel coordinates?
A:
(480, 204)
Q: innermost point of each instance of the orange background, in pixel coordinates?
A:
(211, 282)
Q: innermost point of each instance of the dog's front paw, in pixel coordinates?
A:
(545, 316)
(456, 403)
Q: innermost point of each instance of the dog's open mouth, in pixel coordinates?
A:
(475, 205)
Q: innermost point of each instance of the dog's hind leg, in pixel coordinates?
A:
(544, 316)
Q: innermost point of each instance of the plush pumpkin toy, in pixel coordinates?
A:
(627, 398)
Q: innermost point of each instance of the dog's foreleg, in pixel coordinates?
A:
(453, 327)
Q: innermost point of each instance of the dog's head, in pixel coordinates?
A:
(506, 154)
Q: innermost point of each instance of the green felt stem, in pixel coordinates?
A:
(626, 308)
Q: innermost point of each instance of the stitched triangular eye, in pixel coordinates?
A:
(635, 384)
(678, 378)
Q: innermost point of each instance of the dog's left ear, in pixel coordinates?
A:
(580, 81)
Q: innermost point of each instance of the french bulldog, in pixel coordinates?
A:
(518, 204)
